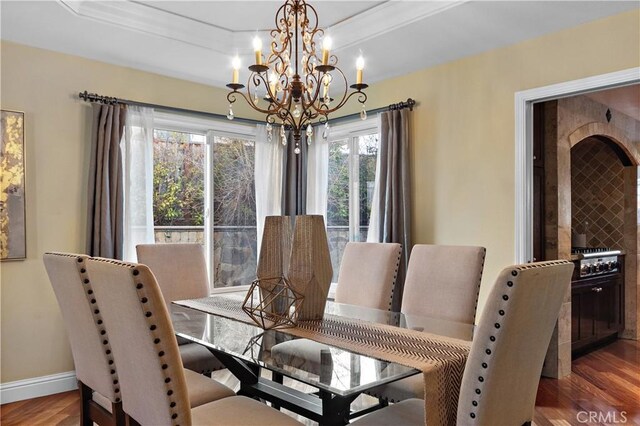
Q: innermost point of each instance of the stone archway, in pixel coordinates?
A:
(607, 132)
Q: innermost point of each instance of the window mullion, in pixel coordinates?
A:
(354, 185)
(208, 214)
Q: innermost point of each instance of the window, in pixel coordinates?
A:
(204, 192)
(353, 150)
(234, 211)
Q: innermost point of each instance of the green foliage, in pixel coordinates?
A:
(178, 180)
(338, 191)
(233, 182)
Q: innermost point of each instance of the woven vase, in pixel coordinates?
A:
(310, 270)
(273, 261)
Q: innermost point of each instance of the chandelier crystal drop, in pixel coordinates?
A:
(296, 75)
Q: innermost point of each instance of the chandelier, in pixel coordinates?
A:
(294, 85)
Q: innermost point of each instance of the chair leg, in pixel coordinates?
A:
(86, 394)
(130, 421)
(119, 417)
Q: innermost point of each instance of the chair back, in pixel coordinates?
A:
(443, 282)
(83, 321)
(152, 378)
(180, 269)
(368, 274)
(509, 345)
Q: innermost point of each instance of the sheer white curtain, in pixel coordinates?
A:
(318, 174)
(137, 153)
(373, 233)
(268, 177)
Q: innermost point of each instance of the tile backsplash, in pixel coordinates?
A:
(597, 194)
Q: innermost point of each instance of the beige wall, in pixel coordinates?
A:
(464, 129)
(463, 156)
(44, 85)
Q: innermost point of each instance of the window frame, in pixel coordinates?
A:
(209, 128)
(351, 131)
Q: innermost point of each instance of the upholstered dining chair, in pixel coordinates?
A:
(367, 278)
(368, 274)
(89, 338)
(442, 282)
(501, 377)
(97, 376)
(152, 378)
(181, 272)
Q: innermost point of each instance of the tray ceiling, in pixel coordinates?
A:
(194, 40)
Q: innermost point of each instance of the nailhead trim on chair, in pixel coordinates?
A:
(395, 277)
(84, 277)
(143, 299)
(501, 312)
(140, 289)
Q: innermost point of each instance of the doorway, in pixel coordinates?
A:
(558, 362)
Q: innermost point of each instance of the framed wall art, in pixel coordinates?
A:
(13, 235)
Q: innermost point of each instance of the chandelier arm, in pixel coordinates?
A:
(231, 97)
(323, 108)
(256, 78)
(362, 98)
(312, 79)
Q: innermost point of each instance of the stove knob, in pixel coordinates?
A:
(614, 265)
(584, 269)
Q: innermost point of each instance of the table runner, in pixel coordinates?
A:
(441, 359)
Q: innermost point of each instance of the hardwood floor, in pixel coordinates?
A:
(604, 389)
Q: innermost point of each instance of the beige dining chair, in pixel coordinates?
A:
(181, 272)
(94, 366)
(442, 282)
(90, 344)
(368, 274)
(367, 278)
(152, 378)
(503, 369)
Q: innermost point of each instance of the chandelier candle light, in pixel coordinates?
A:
(294, 81)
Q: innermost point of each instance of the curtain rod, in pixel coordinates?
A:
(110, 100)
(409, 103)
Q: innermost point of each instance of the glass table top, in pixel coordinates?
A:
(325, 367)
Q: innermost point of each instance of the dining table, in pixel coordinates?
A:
(338, 370)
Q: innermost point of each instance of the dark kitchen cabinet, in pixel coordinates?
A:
(596, 311)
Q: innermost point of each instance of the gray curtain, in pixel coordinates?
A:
(105, 221)
(394, 203)
(294, 185)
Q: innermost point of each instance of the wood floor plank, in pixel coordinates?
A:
(604, 381)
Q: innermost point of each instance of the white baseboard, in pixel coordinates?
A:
(38, 386)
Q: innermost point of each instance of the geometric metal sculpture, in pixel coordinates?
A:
(274, 305)
(270, 301)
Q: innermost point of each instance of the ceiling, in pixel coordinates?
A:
(194, 40)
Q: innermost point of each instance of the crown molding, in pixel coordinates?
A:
(152, 21)
(139, 17)
(384, 18)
